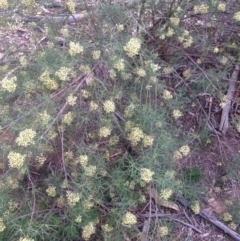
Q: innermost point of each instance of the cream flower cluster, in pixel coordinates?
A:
(96, 54)
(9, 84)
(183, 151)
(3, 4)
(167, 95)
(2, 226)
(132, 47)
(106, 228)
(78, 219)
(88, 230)
(109, 106)
(28, 3)
(141, 72)
(71, 100)
(83, 160)
(104, 131)
(177, 114)
(135, 136)
(203, 8)
(236, 16)
(51, 191)
(26, 239)
(195, 207)
(26, 137)
(146, 175)
(16, 160)
(166, 193)
(75, 48)
(174, 21)
(72, 198)
(70, 6)
(119, 65)
(222, 7)
(129, 219)
(163, 231)
(93, 106)
(44, 117)
(68, 118)
(90, 170)
(48, 82)
(63, 73)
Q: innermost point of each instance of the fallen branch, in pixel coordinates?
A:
(212, 220)
(224, 123)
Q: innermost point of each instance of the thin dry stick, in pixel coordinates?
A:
(224, 123)
(212, 220)
(169, 216)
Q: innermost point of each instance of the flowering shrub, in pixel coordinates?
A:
(91, 111)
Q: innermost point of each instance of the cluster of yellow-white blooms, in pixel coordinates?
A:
(70, 6)
(135, 135)
(104, 131)
(75, 48)
(183, 151)
(141, 72)
(166, 193)
(48, 82)
(26, 239)
(146, 175)
(51, 191)
(68, 118)
(202, 8)
(16, 160)
(93, 106)
(72, 198)
(106, 228)
(227, 217)
(177, 114)
(170, 32)
(109, 106)
(163, 231)
(196, 207)
(236, 16)
(71, 100)
(96, 54)
(62, 73)
(88, 230)
(3, 4)
(128, 112)
(2, 226)
(167, 95)
(120, 27)
(222, 7)
(28, 3)
(175, 21)
(9, 84)
(26, 137)
(83, 160)
(78, 219)
(129, 219)
(44, 117)
(90, 170)
(119, 65)
(132, 47)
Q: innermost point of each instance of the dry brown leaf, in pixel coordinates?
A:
(167, 204)
(217, 206)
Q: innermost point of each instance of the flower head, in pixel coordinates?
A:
(16, 160)
(109, 106)
(146, 174)
(72, 198)
(104, 132)
(51, 191)
(71, 100)
(9, 84)
(75, 48)
(88, 230)
(236, 16)
(132, 47)
(25, 137)
(129, 219)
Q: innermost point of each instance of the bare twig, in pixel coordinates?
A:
(212, 220)
(224, 123)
